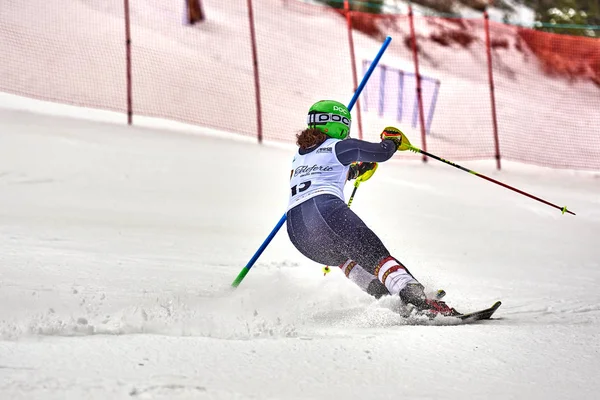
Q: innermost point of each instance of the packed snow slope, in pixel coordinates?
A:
(118, 246)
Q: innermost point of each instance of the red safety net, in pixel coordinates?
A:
(73, 55)
(303, 56)
(452, 52)
(546, 86)
(559, 76)
(199, 74)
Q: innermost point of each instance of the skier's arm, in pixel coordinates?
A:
(352, 150)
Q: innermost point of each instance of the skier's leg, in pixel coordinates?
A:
(311, 235)
(325, 230)
(365, 280)
(362, 245)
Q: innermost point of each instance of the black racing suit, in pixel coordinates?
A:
(324, 229)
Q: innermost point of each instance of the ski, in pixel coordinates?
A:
(471, 316)
(481, 314)
(442, 312)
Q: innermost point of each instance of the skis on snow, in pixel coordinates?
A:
(481, 314)
(470, 316)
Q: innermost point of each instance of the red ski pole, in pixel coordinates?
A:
(407, 146)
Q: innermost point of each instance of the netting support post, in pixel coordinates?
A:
(195, 11)
(353, 61)
(259, 130)
(488, 47)
(128, 63)
(413, 38)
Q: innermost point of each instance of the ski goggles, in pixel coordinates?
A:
(324, 118)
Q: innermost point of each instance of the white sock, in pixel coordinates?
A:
(393, 275)
(357, 274)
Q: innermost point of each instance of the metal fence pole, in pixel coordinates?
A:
(353, 60)
(491, 81)
(128, 63)
(418, 76)
(256, 75)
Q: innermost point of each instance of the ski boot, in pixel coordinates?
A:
(414, 295)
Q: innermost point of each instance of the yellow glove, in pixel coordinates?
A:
(362, 171)
(396, 136)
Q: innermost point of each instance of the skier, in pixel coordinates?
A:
(320, 224)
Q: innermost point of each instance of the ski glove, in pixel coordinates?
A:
(396, 136)
(361, 171)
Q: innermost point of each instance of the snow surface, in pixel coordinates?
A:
(118, 246)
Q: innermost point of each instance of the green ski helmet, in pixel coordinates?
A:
(330, 117)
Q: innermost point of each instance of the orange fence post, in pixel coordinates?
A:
(128, 67)
(256, 76)
(418, 77)
(491, 80)
(353, 60)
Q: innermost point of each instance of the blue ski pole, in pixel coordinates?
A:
(359, 89)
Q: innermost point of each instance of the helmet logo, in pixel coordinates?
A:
(339, 118)
(322, 119)
(340, 109)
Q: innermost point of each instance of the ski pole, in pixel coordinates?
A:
(264, 245)
(407, 146)
(360, 179)
(356, 185)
